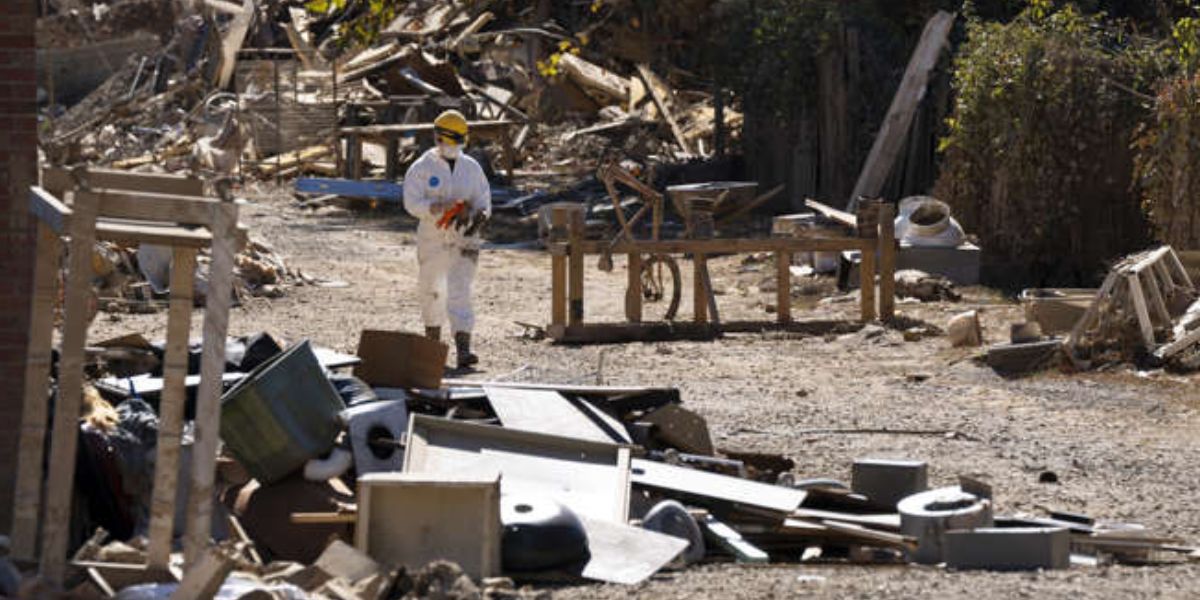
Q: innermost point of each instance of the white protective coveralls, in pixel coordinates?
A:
(447, 258)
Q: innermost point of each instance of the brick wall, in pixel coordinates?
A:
(18, 160)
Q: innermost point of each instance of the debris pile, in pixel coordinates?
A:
(280, 91)
(463, 486)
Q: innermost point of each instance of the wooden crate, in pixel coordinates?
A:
(412, 519)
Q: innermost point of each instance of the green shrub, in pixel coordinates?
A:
(1038, 160)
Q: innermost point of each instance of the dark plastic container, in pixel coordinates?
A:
(282, 414)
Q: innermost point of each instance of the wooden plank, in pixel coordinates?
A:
(866, 285)
(710, 296)
(324, 518)
(717, 246)
(699, 292)
(894, 132)
(187, 210)
(1154, 290)
(27, 502)
(170, 412)
(609, 86)
(728, 538)
(783, 286)
(829, 212)
(65, 434)
(1179, 344)
(1139, 306)
(412, 519)
(575, 232)
(1089, 317)
(97, 178)
(49, 210)
(591, 478)
(232, 43)
(885, 521)
(715, 491)
(887, 261)
(633, 288)
(648, 77)
(616, 333)
(152, 233)
(871, 536)
(543, 411)
(1184, 278)
(476, 128)
(212, 366)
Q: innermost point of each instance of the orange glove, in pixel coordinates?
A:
(449, 215)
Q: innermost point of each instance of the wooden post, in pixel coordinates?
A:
(1145, 325)
(575, 234)
(27, 503)
(558, 269)
(868, 219)
(783, 285)
(212, 367)
(170, 412)
(510, 153)
(633, 289)
(65, 435)
(699, 293)
(887, 261)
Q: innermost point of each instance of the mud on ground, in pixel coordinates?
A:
(1124, 446)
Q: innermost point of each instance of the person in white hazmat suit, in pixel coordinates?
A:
(447, 191)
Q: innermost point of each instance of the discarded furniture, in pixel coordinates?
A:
(412, 519)
(112, 205)
(568, 247)
(590, 478)
(1150, 289)
(351, 138)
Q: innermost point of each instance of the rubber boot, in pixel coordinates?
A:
(462, 343)
(434, 333)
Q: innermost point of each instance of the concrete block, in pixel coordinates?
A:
(887, 482)
(929, 515)
(960, 265)
(1009, 549)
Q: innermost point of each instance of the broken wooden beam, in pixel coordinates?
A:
(894, 131)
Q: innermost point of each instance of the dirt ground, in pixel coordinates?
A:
(1124, 445)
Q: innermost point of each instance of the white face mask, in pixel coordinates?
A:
(449, 151)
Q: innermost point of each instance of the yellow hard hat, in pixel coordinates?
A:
(450, 127)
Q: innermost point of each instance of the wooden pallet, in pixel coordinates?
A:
(1148, 291)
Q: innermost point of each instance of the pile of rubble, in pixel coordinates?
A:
(569, 104)
(136, 278)
(396, 481)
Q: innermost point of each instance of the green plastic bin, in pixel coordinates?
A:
(282, 414)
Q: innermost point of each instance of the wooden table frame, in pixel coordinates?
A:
(567, 248)
(167, 210)
(351, 138)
